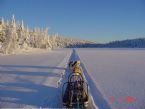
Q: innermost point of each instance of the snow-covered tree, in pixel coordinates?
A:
(2, 27)
(22, 36)
(15, 36)
(11, 42)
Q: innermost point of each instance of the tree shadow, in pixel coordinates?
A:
(27, 93)
(24, 91)
(17, 70)
(27, 73)
(30, 66)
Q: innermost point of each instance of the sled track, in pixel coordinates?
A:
(96, 100)
(65, 75)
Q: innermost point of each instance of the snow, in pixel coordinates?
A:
(31, 80)
(34, 79)
(116, 73)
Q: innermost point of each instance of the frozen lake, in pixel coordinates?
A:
(119, 74)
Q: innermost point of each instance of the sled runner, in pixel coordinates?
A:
(75, 92)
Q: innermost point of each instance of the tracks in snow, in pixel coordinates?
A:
(65, 75)
(97, 100)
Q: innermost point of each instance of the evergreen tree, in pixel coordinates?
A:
(2, 28)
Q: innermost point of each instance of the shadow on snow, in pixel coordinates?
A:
(26, 92)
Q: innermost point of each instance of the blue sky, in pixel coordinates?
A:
(98, 20)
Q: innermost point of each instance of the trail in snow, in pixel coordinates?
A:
(64, 79)
(95, 95)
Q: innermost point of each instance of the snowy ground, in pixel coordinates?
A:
(116, 76)
(32, 80)
(113, 75)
